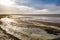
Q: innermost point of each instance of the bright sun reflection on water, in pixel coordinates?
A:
(7, 20)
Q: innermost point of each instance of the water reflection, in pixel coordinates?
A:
(19, 24)
(40, 18)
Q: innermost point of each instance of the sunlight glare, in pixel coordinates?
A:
(6, 2)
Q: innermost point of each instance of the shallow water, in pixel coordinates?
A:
(41, 18)
(19, 24)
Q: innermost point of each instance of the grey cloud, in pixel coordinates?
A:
(52, 7)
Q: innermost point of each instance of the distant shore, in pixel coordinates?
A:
(47, 15)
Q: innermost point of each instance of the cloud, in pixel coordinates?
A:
(52, 6)
(24, 10)
(31, 7)
(20, 10)
(37, 3)
(7, 2)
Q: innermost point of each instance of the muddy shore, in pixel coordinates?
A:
(44, 28)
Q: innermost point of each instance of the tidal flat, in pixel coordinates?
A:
(30, 27)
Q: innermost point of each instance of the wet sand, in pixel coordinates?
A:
(5, 36)
(43, 31)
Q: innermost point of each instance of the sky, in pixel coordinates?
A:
(29, 6)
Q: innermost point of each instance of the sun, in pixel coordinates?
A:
(6, 2)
